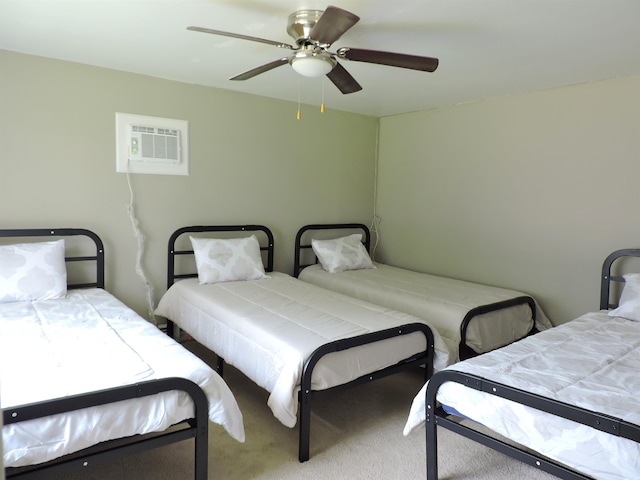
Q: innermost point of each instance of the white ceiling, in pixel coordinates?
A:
(487, 48)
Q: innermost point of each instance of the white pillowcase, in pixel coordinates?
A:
(629, 306)
(32, 271)
(344, 253)
(228, 259)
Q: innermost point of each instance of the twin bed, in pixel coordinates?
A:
(294, 339)
(564, 401)
(81, 372)
(472, 318)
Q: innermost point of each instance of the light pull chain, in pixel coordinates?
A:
(298, 116)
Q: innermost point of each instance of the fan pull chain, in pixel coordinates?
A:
(298, 116)
(322, 105)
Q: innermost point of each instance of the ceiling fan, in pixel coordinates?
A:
(314, 31)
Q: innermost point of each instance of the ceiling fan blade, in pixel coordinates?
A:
(261, 69)
(414, 62)
(343, 80)
(242, 37)
(333, 23)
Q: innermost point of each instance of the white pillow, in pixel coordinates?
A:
(228, 259)
(629, 306)
(32, 271)
(344, 253)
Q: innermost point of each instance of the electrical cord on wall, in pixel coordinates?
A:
(375, 221)
(139, 236)
(373, 228)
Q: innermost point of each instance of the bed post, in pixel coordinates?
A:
(431, 427)
(304, 435)
(170, 329)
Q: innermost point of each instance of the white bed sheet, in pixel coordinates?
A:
(590, 362)
(442, 301)
(85, 342)
(268, 328)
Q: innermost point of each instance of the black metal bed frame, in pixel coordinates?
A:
(306, 393)
(464, 350)
(436, 416)
(195, 428)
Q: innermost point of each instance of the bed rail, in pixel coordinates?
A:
(606, 278)
(68, 232)
(196, 428)
(302, 245)
(435, 417)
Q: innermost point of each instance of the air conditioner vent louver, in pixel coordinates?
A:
(154, 144)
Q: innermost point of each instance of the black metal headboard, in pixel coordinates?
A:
(67, 232)
(300, 247)
(173, 253)
(607, 277)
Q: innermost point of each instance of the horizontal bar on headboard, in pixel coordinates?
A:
(68, 232)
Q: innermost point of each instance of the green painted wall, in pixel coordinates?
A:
(528, 191)
(251, 161)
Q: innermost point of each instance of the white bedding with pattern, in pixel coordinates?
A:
(592, 362)
(85, 342)
(443, 301)
(268, 328)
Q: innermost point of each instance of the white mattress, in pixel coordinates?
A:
(268, 328)
(444, 302)
(90, 341)
(591, 362)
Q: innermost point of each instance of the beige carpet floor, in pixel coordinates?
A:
(355, 434)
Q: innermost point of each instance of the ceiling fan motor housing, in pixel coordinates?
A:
(301, 23)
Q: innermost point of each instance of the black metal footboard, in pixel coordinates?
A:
(435, 417)
(196, 427)
(306, 393)
(465, 350)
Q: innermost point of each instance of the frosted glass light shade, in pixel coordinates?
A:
(312, 66)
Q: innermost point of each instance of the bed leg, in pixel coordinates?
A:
(170, 328)
(220, 365)
(305, 426)
(202, 453)
(432, 443)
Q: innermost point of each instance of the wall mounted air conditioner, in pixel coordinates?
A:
(151, 145)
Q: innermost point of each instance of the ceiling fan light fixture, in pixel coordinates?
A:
(312, 64)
